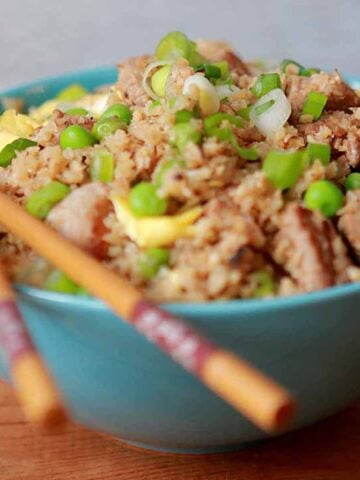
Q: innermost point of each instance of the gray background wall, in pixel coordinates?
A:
(41, 37)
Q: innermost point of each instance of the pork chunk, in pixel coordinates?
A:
(341, 130)
(79, 217)
(349, 222)
(215, 51)
(308, 247)
(130, 80)
(340, 95)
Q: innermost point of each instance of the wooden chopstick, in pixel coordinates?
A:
(35, 389)
(259, 398)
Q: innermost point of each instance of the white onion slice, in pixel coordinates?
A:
(209, 100)
(148, 72)
(271, 121)
(226, 90)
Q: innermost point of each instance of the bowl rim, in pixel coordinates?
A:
(33, 86)
(211, 308)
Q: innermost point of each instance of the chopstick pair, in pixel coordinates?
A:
(35, 389)
(259, 398)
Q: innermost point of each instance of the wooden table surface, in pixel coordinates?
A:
(329, 450)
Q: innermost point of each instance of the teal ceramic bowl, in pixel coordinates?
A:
(114, 381)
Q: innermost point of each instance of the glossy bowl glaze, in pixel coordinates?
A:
(115, 381)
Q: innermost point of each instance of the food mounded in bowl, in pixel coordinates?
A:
(230, 184)
(194, 175)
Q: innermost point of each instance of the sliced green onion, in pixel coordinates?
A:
(77, 111)
(275, 115)
(307, 72)
(72, 93)
(173, 46)
(318, 151)
(244, 113)
(107, 126)
(283, 168)
(216, 119)
(265, 284)
(352, 181)
(314, 104)
(209, 100)
(227, 135)
(195, 58)
(265, 83)
(183, 133)
(164, 168)
(210, 71)
(8, 153)
(154, 104)
(263, 107)
(42, 201)
(248, 153)
(102, 166)
(296, 67)
(152, 260)
(159, 79)
(224, 69)
(184, 116)
(59, 282)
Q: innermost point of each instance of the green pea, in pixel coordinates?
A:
(118, 110)
(184, 133)
(265, 284)
(102, 166)
(107, 126)
(77, 111)
(57, 281)
(8, 153)
(72, 93)
(352, 181)
(75, 137)
(42, 201)
(325, 197)
(164, 168)
(144, 200)
(152, 260)
(184, 116)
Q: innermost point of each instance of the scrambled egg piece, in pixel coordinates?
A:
(17, 123)
(6, 138)
(14, 125)
(43, 112)
(158, 231)
(95, 103)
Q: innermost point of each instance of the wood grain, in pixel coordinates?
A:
(329, 450)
